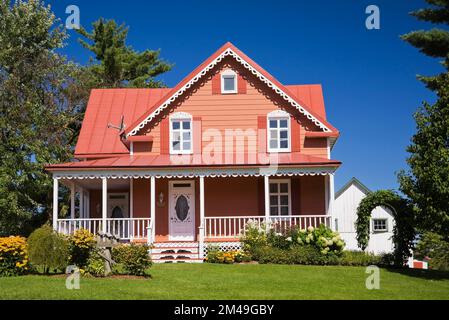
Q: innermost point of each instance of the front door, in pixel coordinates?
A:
(181, 210)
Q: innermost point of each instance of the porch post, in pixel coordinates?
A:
(152, 236)
(72, 200)
(104, 207)
(81, 192)
(202, 216)
(331, 200)
(55, 203)
(267, 197)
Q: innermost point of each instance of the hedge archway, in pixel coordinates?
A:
(403, 230)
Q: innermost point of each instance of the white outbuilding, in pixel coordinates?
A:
(347, 199)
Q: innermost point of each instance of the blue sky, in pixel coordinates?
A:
(368, 76)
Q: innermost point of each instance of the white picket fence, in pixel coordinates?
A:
(123, 228)
(233, 227)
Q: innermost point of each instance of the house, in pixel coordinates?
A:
(347, 199)
(187, 166)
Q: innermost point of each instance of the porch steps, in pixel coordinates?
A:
(175, 252)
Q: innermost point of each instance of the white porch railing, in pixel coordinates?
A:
(123, 228)
(233, 227)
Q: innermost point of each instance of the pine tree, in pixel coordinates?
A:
(118, 64)
(435, 42)
(426, 182)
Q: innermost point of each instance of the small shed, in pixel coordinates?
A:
(347, 199)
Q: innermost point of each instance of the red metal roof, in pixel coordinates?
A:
(160, 161)
(195, 72)
(108, 105)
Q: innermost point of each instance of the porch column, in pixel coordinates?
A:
(152, 236)
(202, 216)
(267, 197)
(72, 200)
(55, 203)
(81, 193)
(104, 207)
(331, 200)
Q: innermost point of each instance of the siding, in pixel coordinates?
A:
(237, 112)
(345, 211)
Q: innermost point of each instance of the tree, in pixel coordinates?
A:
(435, 42)
(40, 98)
(426, 182)
(120, 65)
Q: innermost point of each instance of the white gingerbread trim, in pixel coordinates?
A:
(199, 75)
(192, 173)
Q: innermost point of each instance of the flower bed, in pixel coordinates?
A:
(13, 256)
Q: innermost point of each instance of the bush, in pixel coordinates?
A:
(307, 255)
(13, 256)
(255, 236)
(82, 243)
(48, 249)
(134, 258)
(214, 255)
(359, 258)
(326, 240)
(95, 265)
(435, 249)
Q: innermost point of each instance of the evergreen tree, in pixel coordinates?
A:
(120, 65)
(40, 98)
(426, 183)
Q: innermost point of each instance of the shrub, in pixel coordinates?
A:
(134, 258)
(255, 236)
(214, 255)
(359, 258)
(307, 254)
(48, 249)
(13, 256)
(95, 265)
(323, 238)
(82, 242)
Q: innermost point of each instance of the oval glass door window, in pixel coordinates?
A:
(117, 212)
(182, 208)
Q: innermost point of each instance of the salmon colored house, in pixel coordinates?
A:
(183, 167)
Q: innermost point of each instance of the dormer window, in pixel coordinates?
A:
(228, 82)
(181, 133)
(278, 131)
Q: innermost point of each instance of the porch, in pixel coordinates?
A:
(192, 209)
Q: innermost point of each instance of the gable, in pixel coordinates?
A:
(228, 50)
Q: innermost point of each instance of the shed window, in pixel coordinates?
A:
(380, 225)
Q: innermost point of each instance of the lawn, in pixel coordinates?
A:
(208, 281)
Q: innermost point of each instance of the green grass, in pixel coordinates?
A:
(208, 281)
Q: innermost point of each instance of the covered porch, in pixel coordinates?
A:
(202, 206)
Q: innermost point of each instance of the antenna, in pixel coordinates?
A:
(119, 127)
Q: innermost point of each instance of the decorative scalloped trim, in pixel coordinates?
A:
(210, 174)
(198, 76)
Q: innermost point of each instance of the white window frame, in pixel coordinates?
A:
(181, 117)
(278, 194)
(227, 74)
(279, 115)
(380, 230)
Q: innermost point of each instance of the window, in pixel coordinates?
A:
(278, 131)
(228, 82)
(380, 225)
(181, 133)
(280, 198)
